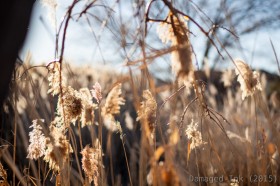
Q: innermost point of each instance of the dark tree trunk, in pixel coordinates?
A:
(14, 20)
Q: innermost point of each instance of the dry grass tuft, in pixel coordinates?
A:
(112, 107)
(248, 79)
(147, 113)
(91, 162)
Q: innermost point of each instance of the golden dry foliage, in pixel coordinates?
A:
(91, 162)
(249, 80)
(176, 31)
(72, 106)
(147, 113)
(112, 107)
(166, 162)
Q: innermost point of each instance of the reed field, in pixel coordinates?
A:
(65, 124)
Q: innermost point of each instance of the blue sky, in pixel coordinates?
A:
(81, 47)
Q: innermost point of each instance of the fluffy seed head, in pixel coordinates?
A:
(37, 146)
(194, 135)
(87, 115)
(112, 107)
(91, 161)
(248, 79)
(96, 92)
(3, 174)
(58, 149)
(55, 79)
(113, 101)
(69, 105)
(176, 31)
(147, 111)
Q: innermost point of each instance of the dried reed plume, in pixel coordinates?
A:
(58, 149)
(37, 146)
(71, 107)
(55, 79)
(71, 103)
(194, 135)
(112, 107)
(91, 162)
(88, 107)
(248, 79)
(176, 31)
(147, 112)
(97, 92)
(3, 175)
